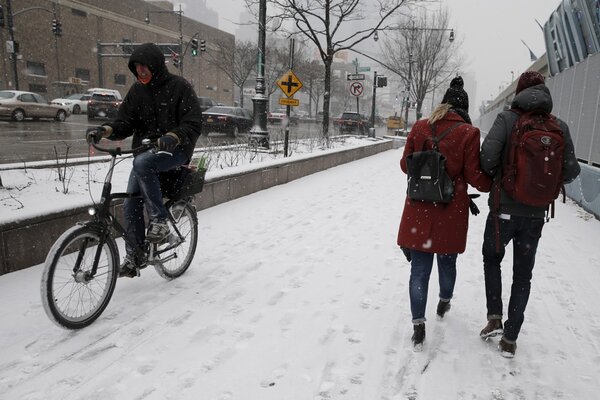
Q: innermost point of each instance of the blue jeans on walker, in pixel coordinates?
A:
(525, 234)
(144, 179)
(420, 270)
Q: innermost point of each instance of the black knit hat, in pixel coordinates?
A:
(456, 95)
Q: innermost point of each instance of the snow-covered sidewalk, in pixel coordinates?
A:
(299, 292)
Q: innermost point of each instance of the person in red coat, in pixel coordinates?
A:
(430, 228)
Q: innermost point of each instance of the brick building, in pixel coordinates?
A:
(70, 63)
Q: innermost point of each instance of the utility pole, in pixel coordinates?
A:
(11, 37)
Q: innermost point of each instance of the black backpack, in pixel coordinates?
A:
(427, 176)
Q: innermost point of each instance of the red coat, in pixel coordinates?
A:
(442, 228)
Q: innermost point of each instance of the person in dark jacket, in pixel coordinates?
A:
(159, 106)
(513, 220)
(428, 228)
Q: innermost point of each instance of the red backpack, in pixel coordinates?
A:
(532, 173)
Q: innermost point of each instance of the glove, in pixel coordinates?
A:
(93, 135)
(167, 142)
(406, 253)
(472, 206)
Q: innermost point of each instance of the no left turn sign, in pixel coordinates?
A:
(356, 89)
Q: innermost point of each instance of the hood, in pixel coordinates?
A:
(150, 55)
(534, 98)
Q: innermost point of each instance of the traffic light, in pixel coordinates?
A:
(56, 27)
(381, 81)
(1, 17)
(194, 44)
(203, 45)
(175, 59)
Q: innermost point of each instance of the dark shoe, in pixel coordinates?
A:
(507, 348)
(493, 328)
(130, 267)
(418, 336)
(157, 231)
(442, 308)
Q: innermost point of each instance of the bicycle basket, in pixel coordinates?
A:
(181, 182)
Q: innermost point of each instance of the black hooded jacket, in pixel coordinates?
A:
(167, 103)
(494, 148)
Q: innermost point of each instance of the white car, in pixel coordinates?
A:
(76, 103)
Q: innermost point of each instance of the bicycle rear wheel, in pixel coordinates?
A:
(73, 296)
(176, 261)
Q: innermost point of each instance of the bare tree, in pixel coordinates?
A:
(237, 65)
(311, 73)
(422, 47)
(331, 26)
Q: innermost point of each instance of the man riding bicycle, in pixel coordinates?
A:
(159, 106)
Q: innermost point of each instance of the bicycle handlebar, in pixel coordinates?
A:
(117, 151)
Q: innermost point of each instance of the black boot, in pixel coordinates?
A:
(442, 308)
(418, 336)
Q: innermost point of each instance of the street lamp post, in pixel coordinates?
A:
(408, 93)
(259, 133)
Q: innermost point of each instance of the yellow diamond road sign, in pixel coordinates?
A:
(289, 83)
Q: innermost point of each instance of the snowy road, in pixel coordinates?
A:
(299, 292)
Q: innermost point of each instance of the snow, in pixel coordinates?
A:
(300, 292)
(36, 190)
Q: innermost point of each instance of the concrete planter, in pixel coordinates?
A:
(26, 243)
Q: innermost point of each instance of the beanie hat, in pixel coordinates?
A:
(528, 79)
(456, 95)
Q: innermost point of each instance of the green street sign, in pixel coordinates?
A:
(364, 69)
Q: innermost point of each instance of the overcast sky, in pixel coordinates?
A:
(491, 30)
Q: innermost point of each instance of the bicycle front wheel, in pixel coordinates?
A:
(177, 260)
(79, 277)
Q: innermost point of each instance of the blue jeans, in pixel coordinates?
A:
(420, 270)
(525, 234)
(144, 179)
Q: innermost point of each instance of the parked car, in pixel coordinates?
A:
(231, 120)
(18, 105)
(351, 122)
(103, 105)
(76, 103)
(279, 116)
(206, 103)
(114, 92)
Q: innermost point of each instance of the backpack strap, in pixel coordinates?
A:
(437, 139)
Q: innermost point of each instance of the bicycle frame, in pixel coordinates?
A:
(104, 220)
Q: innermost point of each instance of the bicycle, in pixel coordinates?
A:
(82, 267)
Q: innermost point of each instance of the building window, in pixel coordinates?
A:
(37, 88)
(120, 79)
(82, 73)
(36, 68)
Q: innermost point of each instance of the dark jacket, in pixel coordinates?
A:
(167, 104)
(494, 148)
(442, 228)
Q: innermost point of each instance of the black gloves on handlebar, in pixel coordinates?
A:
(93, 135)
(167, 142)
